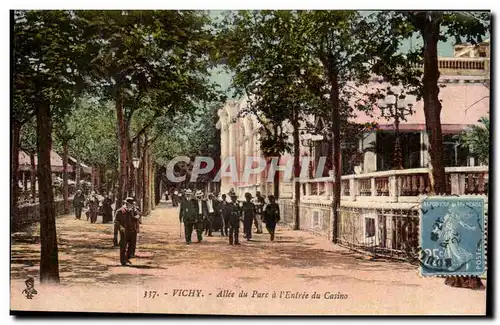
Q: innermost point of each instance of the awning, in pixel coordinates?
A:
(463, 104)
(55, 162)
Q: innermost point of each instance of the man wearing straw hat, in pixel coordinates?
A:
(187, 214)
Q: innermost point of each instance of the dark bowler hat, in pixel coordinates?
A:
(129, 200)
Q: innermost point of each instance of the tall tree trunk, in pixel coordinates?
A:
(145, 178)
(102, 179)
(276, 183)
(65, 176)
(139, 173)
(157, 178)
(49, 264)
(78, 171)
(33, 176)
(92, 178)
(296, 170)
(16, 134)
(334, 98)
(432, 110)
(123, 141)
(131, 169)
(432, 105)
(151, 180)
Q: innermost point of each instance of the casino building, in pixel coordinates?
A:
(378, 202)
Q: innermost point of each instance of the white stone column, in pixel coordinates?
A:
(424, 146)
(353, 189)
(224, 154)
(393, 188)
(370, 158)
(231, 150)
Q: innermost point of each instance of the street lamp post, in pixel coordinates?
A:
(396, 108)
(308, 141)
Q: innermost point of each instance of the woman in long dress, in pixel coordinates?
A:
(107, 215)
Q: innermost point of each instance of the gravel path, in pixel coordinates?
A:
(209, 277)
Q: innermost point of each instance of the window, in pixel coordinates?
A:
(454, 154)
(410, 148)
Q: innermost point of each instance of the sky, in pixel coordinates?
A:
(445, 49)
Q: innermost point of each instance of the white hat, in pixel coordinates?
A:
(188, 191)
(199, 193)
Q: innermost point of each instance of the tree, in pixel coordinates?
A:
(477, 139)
(432, 27)
(93, 129)
(48, 50)
(64, 135)
(162, 56)
(347, 46)
(435, 26)
(272, 68)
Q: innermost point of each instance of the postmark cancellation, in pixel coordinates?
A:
(452, 236)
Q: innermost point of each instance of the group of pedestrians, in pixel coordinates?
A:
(94, 206)
(214, 214)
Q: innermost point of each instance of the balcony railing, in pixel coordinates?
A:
(398, 185)
(463, 66)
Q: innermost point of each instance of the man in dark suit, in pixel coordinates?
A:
(78, 203)
(234, 212)
(212, 220)
(127, 221)
(224, 212)
(188, 214)
(201, 214)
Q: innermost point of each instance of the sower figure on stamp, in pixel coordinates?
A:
(271, 215)
(202, 215)
(78, 203)
(128, 225)
(259, 206)
(188, 214)
(234, 213)
(249, 213)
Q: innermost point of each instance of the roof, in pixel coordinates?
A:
(56, 162)
(463, 104)
(86, 169)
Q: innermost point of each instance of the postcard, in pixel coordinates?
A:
(250, 163)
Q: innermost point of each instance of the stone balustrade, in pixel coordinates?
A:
(403, 186)
(463, 66)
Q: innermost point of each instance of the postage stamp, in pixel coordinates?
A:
(452, 236)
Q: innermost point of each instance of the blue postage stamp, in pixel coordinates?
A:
(452, 236)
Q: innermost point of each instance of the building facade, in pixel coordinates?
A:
(378, 203)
